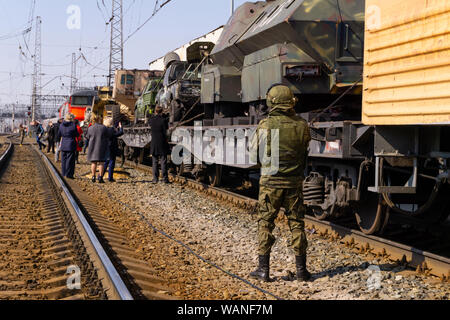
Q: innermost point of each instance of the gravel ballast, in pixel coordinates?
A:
(226, 236)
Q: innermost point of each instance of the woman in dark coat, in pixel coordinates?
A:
(68, 146)
(99, 137)
(159, 148)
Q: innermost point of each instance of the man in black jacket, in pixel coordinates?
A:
(51, 135)
(110, 163)
(159, 148)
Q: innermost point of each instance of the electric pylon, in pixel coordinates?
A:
(36, 95)
(116, 45)
(73, 75)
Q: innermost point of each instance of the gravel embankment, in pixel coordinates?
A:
(227, 236)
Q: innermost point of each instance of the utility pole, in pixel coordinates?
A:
(13, 115)
(232, 7)
(73, 76)
(36, 94)
(116, 45)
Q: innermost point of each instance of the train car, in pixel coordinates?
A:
(79, 103)
(406, 102)
(377, 104)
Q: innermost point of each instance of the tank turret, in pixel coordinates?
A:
(169, 58)
(313, 46)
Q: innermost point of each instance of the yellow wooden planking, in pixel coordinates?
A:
(407, 62)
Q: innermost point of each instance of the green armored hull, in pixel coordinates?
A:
(146, 103)
(313, 46)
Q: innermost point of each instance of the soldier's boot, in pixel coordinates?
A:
(263, 270)
(302, 272)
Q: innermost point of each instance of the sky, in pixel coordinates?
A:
(174, 25)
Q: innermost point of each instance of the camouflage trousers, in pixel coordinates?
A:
(270, 202)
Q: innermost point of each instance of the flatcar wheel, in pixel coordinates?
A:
(371, 214)
(214, 175)
(322, 214)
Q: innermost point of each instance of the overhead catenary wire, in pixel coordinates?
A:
(26, 56)
(155, 11)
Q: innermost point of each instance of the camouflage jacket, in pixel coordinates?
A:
(280, 145)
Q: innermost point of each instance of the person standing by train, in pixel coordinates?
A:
(281, 180)
(68, 145)
(159, 148)
(98, 136)
(50, 138)
(39, 135)
(22, 133)
(113, 148)
(57, 138)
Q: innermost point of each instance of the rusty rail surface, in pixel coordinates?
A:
(5, 156)
(136, 273)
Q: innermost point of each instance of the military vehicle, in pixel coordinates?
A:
(366, 167)
(182, 82)
(146, 103)
(314, 47)
(129, 85)
(317, 49)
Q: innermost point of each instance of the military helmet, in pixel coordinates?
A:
(280, 94)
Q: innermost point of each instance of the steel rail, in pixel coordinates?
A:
(4, 157)
(420, 260)
(112, 282)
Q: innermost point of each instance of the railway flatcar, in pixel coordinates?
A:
(372, 80)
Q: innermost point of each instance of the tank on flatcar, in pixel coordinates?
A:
(181, 84)
(314, 47)
(146, 103)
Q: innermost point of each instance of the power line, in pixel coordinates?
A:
(155, 11)
(15, 35)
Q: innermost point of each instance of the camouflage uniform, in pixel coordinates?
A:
(282, 187)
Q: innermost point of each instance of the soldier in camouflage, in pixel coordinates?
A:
(281, 186)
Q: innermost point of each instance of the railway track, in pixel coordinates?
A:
(135, 272)
(341, 231)
(50, 249)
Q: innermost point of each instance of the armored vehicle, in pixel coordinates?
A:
(314, 47)
(146, 103)
(361, 161)
(182, 82)
(129, 84)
